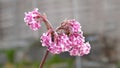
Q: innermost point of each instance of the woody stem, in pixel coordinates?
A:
(44, 58)
(48, 26)
(47, 23)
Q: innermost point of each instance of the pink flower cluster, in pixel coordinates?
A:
(66, 38)
(79, 47)
(60, 42)
(33, 19)
(74, 25)
(70, 39)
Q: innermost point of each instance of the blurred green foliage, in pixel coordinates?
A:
(25, 64)
(118, 65)
(57, 60)
(10, 55)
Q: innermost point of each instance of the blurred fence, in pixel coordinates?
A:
(99, 17)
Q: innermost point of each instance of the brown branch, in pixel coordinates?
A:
(46, 21)
(44, 58)
(48, 26)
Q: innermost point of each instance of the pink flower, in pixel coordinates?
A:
(74, 52)
(79, 47)
(74, 25)
(80, 50)
(46, 39)
(33, 19)
(77, 38)
(54, 48)
(61, 41)
(86, 48)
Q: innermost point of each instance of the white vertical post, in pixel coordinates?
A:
(75, 14)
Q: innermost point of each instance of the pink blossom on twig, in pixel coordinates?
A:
(67, 38)
(33, 19)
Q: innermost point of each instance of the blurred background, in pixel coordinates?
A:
(100, 20)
